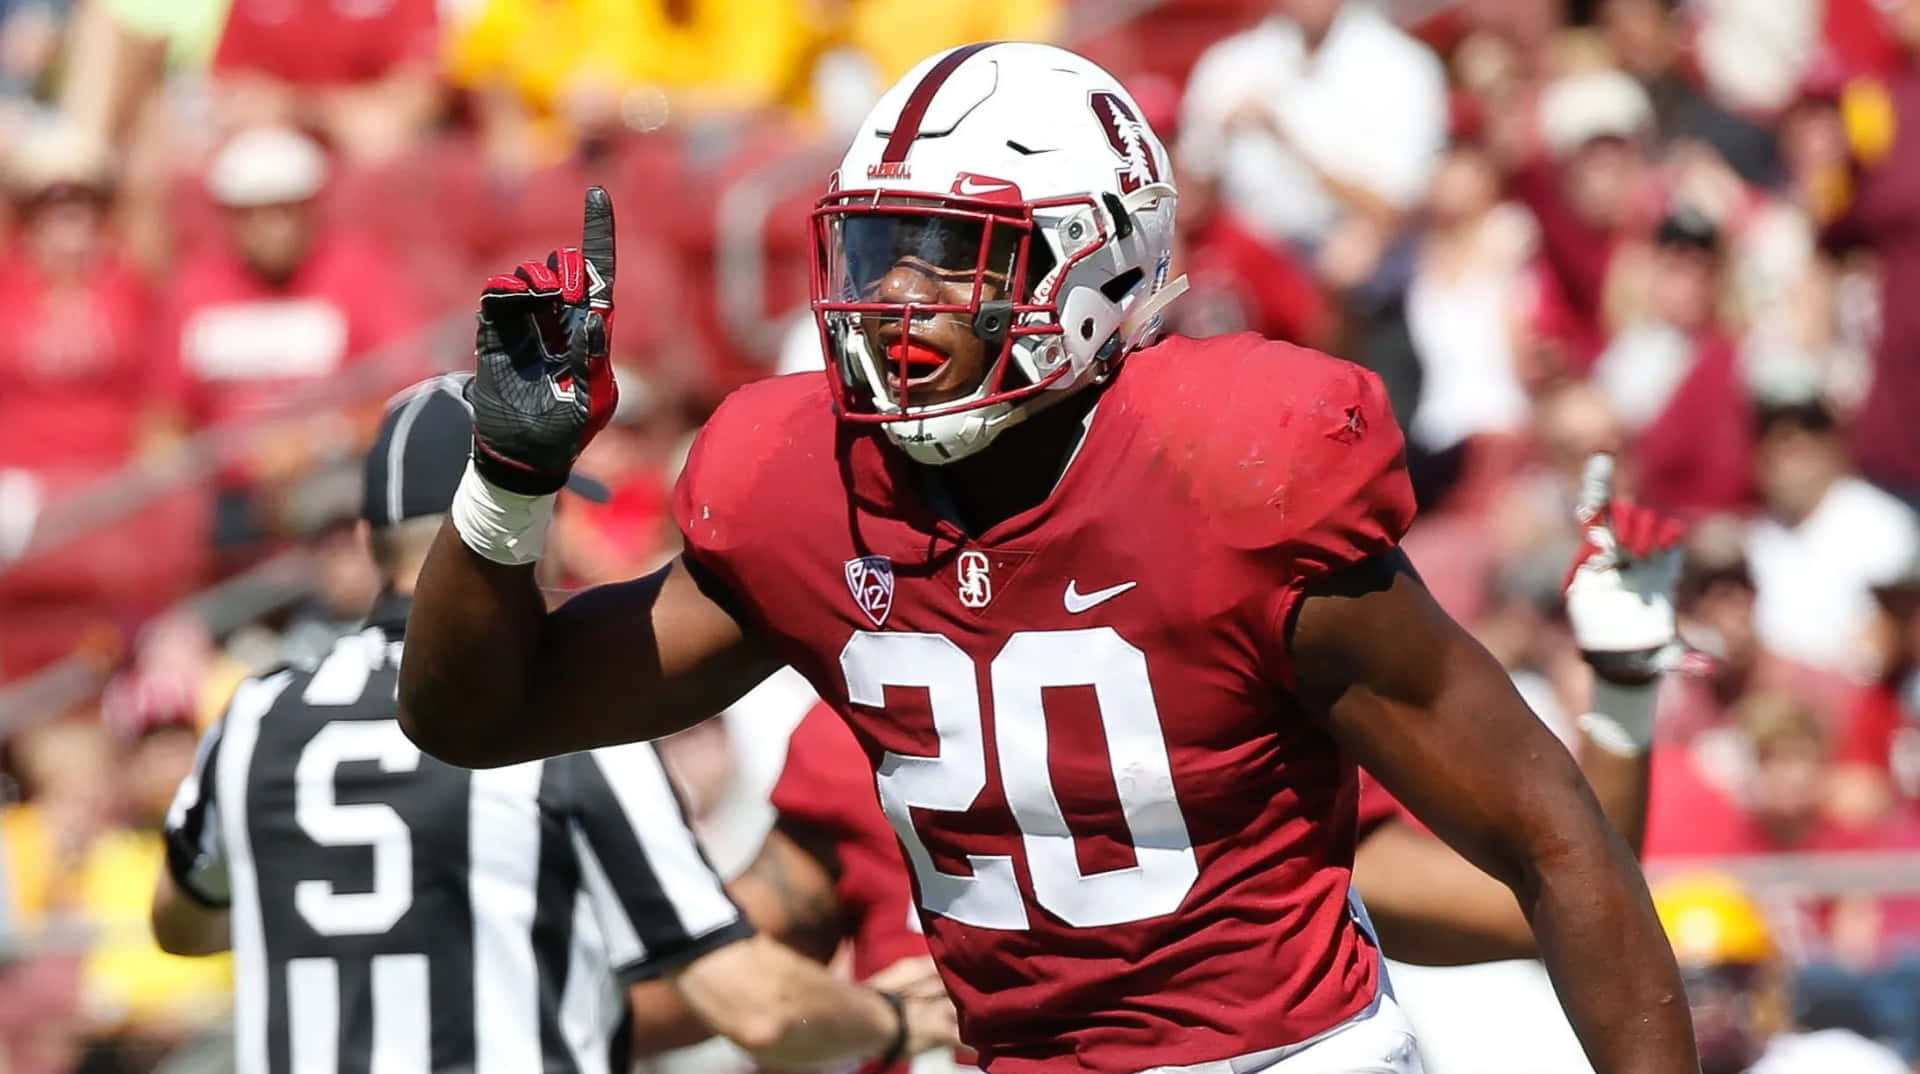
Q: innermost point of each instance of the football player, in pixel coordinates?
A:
(1461, 955)
(1113, 620)
(832, 869)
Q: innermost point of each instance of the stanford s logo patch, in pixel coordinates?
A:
(870, 580)
(1127, 135)
(976, 585)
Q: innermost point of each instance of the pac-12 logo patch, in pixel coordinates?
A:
(870, 579)
(976, 586)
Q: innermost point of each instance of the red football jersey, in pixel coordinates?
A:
(1130, 846)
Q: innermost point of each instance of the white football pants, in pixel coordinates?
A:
(1376, 1041)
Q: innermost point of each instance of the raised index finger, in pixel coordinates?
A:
(1596, 487)
(596, 245)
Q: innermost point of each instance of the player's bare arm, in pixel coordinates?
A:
(184, 926)
(1433, 907)
(1435, 718)
(788, 894)
(492, 676)
(790, 1011)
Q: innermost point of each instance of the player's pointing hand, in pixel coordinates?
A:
(1620, 587)
(543, 386)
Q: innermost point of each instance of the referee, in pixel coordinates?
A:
(390, 914)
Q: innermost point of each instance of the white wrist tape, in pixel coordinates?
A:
(502, 526)
(1620, 719)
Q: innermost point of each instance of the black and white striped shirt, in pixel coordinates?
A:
(392, 914)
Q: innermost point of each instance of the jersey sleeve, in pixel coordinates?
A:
(196, 853)
(1345, 496)
(713, 500)
(656, 898)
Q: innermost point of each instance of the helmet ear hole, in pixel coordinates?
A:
(1086, 329)
(1122, 285)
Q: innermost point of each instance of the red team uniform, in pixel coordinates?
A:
(1130, 845)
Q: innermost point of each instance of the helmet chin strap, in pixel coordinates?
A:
(1141, 316)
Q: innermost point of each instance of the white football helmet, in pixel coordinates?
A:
(1028, 170)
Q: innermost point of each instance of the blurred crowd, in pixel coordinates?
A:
(1686, 231)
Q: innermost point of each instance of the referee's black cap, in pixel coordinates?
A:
(420, 454)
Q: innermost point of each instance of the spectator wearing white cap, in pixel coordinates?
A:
(1584, 184)
(289, 300)
(75, 309)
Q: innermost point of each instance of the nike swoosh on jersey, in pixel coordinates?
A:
(1078, 602)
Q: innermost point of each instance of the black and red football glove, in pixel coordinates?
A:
(1620, 587)
(543, 386)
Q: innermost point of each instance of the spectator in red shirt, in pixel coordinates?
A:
(1772, 799)
(1586, 188)
(1870, 197)
(289, 301)
(86, 390)
(364, 72)
(1879, 749)
(1674, 378)
(1856, 37)
(1766, 796)
(76, 312)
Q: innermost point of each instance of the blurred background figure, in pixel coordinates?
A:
(1473, 309)
(1737, 988)
(1826, 538)
(636, 456)
(1879, 750)
(1323, 122)
(1716, 605)
(1584, 177)
(363, 75)
(291, 299)
(88, 983)
(1860, 187)
(85, 395)
(1680, 232)
(1673, 376)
